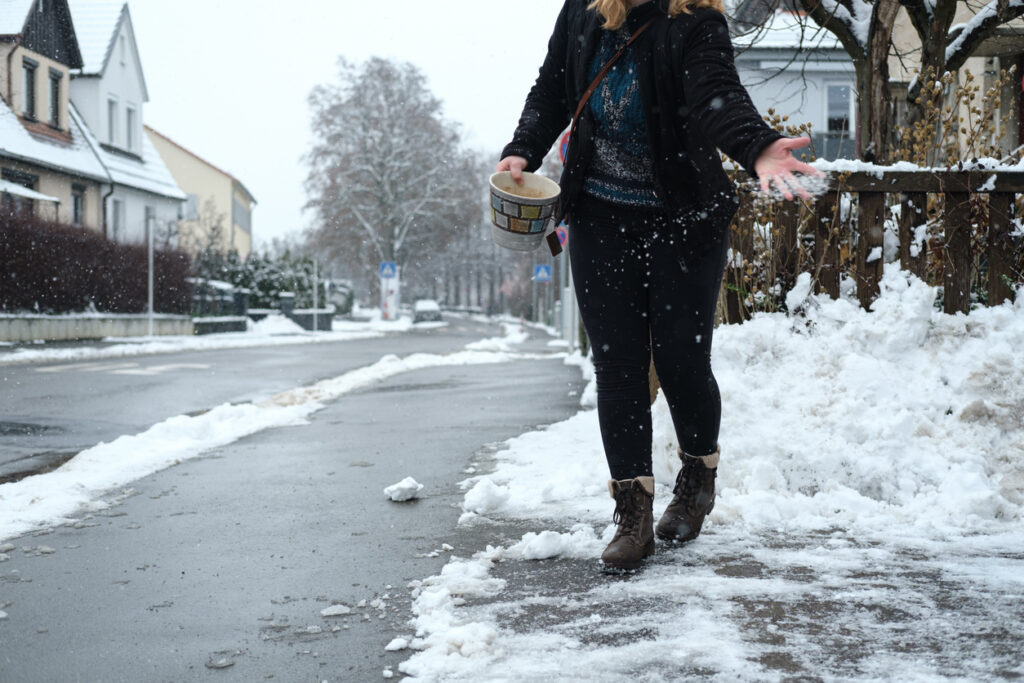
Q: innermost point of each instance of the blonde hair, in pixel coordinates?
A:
(614, 11)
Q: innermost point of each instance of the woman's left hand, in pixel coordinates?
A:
(776, 164)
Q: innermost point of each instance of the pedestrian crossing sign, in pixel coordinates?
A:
(388, 269)
(542, 273)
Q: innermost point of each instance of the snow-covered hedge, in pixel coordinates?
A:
(53, 268)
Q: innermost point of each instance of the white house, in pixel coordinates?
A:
(801, 71)
(109, 92)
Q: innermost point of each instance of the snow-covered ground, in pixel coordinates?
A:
(275, 330)
(868, 524)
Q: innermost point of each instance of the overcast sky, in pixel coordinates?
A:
(229, 79)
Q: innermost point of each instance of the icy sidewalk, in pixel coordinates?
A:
(867, 525)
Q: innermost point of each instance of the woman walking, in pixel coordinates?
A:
(649, 207)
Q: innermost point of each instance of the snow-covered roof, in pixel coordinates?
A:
(786, 30)
(7, 187)
(13, 15)
(149, 175)
(75, 157)
(96, 23)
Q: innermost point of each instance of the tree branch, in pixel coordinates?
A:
(966, 39)
(837, 18)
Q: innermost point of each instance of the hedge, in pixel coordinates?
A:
(54, 268)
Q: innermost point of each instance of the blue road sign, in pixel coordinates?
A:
(542, 273)
(388, 269)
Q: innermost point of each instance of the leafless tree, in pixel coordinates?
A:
(865, 27)
(387, 175)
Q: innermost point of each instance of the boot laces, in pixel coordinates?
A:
(627, 509)
(688, 484)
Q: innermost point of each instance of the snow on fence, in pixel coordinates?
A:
(969, 235)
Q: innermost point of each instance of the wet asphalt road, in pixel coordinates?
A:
(218, 568)
(53, 410)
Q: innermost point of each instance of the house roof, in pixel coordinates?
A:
(13, 15)
(788, 30)
(148, 173)
(96, 23)
(7, 187)
(76, 157)
(192, 154)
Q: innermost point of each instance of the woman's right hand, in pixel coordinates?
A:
(513, 165)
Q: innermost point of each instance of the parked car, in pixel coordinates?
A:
(424, 310)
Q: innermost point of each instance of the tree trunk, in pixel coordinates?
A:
(875, 138)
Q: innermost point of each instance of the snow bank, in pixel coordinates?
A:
(514, 333)
(271, 331)
(839, 416)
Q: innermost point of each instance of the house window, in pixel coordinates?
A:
(112, 121)
(55, 80)
(117, 219)
(129, 129)
(17, 205)
(839, 109)
(28, 90)
(241, 215)
(77, 204)
(190, 211)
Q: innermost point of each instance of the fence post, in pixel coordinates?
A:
(871, 228)
(1000, 247)
(912, 214)
(742, 242)
(956, 257)
(826, 244)
(787, 253)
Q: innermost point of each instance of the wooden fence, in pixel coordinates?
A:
(976, 209)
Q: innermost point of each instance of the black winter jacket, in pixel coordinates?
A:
(693, 104)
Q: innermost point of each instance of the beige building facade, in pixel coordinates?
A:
(47, 166)
(218, 213)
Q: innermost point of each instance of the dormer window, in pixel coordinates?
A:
(28, 89)
(129, 129)
(112, 121)
(55, 80)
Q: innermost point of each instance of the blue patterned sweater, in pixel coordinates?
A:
(621, 171)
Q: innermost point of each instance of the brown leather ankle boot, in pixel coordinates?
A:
(634, 539)
(694, 498)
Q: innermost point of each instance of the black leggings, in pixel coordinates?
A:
(643, 284)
